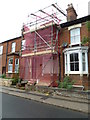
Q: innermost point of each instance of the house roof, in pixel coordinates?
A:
(11, 39)
(77, 21)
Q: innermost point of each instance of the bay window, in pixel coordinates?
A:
(76, 60)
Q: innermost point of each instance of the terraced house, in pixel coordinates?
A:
(75, 58)
(9, 57)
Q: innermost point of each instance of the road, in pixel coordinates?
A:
(17, 107)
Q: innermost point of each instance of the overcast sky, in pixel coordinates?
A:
(14, 12)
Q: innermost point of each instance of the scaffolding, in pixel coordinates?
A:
(39, 61)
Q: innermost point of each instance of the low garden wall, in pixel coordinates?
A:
(5, 82)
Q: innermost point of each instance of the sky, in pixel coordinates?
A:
(13, 13)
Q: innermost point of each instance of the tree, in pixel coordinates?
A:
(86, 39)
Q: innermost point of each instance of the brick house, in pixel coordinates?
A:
(10, 56)
(75, 57)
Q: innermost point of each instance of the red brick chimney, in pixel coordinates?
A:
(71, 13)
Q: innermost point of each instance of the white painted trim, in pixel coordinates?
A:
(76, 49)
(75, 26)
(10, 72)
(86, 59)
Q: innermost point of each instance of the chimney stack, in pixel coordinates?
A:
(71, 13)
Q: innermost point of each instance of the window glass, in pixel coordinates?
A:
(83, 57)
(83, 62)
(76, 57)
(71, 58)
(10, 65)
(13, 47)
(72, 66)
(1, 50)
(75, 36)
(16, 64)
(74, 62)
(10, 61)
(23, 45)
(77, 66)
(66, 63)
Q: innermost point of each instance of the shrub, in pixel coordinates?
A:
(3, 76)
(67, 83)
(69, 87)
(14, 81)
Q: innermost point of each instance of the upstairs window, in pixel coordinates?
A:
(1, 50)
(13, 47)
(75, 36)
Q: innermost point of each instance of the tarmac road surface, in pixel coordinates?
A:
(17, 107)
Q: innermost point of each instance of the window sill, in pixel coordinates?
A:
(78, 73)
(10, 72)
(16, 72)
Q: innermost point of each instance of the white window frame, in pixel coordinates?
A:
(16, 65)
(10, 65)
(23, 44)
(74, 37)
(72, 28)
(1, 50)
(13, 47)
(78, 50)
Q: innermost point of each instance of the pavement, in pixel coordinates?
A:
(74, 103)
